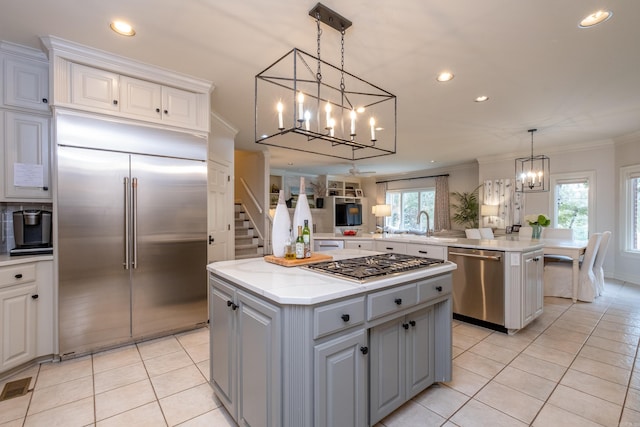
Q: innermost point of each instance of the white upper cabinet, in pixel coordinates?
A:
(91, 80)
(25, 83)
(92, 87)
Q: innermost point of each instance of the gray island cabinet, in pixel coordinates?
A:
(290, 347)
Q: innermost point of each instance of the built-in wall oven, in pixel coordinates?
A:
(478, 286)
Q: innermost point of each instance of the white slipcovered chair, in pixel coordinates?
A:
(486, 233)
(597, 264)
(558, 275)
(525, 233)
(472, 233)
(557, 233)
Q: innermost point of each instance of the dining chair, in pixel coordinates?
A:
(597, 265)
(557, 275)
(486, 233)
(525, 233)
(472, 233)
(557, 233)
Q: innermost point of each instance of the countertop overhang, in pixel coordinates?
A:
(299, 286)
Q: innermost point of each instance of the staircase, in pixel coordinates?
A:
(248, 245)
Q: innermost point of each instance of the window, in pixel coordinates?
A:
(572, 202)
(630, 184)
(405, 206)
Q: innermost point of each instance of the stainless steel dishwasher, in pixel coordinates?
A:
(478, 286)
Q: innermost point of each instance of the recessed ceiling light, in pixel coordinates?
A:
(445, 76)
(481, 98)
(595, 18)
(122, 28)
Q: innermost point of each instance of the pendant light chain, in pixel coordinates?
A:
(342, 60)
(318, 73)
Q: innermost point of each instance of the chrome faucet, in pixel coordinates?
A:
(418, 221)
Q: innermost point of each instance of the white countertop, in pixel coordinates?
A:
(295, 285)
(491, 244)
(6, 259)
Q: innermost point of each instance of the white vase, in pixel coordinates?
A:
(302, 211)
(281, 227)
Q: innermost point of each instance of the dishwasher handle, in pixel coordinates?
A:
(489, 257)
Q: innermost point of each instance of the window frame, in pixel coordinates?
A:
(626, 218)
(570, 178)
(401, 192)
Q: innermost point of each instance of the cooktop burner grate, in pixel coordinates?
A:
(371, 267)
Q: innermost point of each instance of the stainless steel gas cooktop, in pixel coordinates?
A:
(364, 269)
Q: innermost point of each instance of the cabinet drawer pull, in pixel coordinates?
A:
(35, 296)
(388, 248)
(398, 301)
(364, 350)
(405, 326)
(439, 288)
(423, 252)
(345, 317)
(18, 276)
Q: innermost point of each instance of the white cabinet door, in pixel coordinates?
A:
(366, 245)
(26, 157)
(222, 330)
(26, 84)
(532, 286)
(18, 320)
(179, 107)
(420, 351)
(140, 98)
(341, 381)
(94, 88)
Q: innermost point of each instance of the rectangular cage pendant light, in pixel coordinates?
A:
(306, 104)
(533, 172)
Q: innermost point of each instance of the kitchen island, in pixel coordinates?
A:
(291, 347)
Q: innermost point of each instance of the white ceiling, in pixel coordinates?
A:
(538, 68)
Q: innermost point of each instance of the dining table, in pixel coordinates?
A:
(573, 249)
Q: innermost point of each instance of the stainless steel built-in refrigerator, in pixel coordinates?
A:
(131, 236)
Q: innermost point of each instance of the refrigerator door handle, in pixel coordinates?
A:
(126, 223)
(134, 203)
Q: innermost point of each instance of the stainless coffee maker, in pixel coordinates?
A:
(32, 232)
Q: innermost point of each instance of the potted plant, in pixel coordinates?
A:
(319, 191)
(537, 221)
(466, 208)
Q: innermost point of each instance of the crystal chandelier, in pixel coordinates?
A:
(532, 173)
(304, 103)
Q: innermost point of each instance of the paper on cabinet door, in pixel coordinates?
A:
(28, 175)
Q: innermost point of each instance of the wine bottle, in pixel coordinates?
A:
(299, 244)
(281, 227)
(306, 238)
(290, 247)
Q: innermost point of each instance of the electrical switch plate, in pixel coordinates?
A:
(515, 259)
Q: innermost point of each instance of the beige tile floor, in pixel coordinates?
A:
(574, 366)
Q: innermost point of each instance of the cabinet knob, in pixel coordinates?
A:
(34, 296)
(115, 102)
(398, 301)
(345, 317)
(412, 323)
(405, 326)
(157, 110)
(45, 101)
(18, 276)
(439, 288)
(364, 350)
(211, 239)
(166, 111)
(232, 305)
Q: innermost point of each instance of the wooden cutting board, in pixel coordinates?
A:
(315, 257)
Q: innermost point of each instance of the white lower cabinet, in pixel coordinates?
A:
(245, 358)
(366, 245)
(26, 313)
(387, 246)
(532, 285)
(426, 251)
